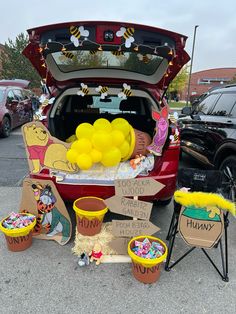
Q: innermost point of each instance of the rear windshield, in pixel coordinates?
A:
(68, 61)
(112, 105)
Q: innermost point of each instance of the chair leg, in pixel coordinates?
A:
(226, 221)
(171, 227)
(171, 244)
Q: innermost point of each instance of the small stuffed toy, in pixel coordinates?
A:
(136, 161)
(83, 259)
(96, 254)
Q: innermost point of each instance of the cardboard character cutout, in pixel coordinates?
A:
(45, 151)
(161, 129)
(41, 198)
(201, 227)
(201, 221)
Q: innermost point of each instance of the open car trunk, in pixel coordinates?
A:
(71, 109)
(69, 53)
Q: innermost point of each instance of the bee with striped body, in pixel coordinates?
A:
(126, 92)
(175, 137)
(144, 58)
(76, 33)
(66, 55)
(173, 117)
(93, 52)
(118, 53)
(102, 90)
(127, 34)
(84, 90)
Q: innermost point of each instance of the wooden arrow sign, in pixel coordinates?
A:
(120, 245)
(132, 228)
(129, 207)
(138, 187)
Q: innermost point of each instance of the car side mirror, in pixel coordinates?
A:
(186, 111)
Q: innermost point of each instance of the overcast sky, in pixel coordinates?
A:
(215, 44)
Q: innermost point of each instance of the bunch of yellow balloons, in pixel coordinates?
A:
(104, 141)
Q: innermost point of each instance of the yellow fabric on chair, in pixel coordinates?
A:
(202, 199)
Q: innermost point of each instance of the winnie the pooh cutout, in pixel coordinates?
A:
(45, 151)
(41, 198)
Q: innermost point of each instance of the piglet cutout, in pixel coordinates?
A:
(161, 129)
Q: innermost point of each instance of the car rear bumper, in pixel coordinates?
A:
(165, 173)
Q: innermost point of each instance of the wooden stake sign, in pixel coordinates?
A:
(120, 245)
(138, 187)
(129, 207)
(132, 228)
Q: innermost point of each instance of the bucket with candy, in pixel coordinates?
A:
(90, 212)
(17, 228)
(147, 254)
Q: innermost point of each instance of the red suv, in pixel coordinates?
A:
(108, 70)
(15, 105)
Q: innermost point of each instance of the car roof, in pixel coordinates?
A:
(223, 89)
(15, 83)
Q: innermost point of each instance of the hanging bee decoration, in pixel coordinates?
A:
(65, 55)
(118, 53)
(173, 116)
(93, 52)
(76, 33)
(102, 90)
(175, 137)
(126, 91)
(144, 58)
(84, 90)
(127, 34)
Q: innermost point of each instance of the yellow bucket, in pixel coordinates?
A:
(90, 211)
(18, 239)
(20, 231)
(138, 143)
(146, 270)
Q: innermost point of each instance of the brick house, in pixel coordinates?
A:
(202, 81)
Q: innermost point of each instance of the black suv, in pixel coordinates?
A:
(208, 133)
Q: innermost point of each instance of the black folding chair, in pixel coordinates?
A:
(204, 181)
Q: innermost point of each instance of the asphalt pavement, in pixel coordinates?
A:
(45, 278)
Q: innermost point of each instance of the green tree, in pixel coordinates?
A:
(179, 82)
(233, 79)
(15, 65)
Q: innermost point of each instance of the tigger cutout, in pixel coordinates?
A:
(49, 218)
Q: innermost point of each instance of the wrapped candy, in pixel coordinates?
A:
(148, 250)
(18, 220)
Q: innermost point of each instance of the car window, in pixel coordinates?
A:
(206, 105)
(233, 112)
(1, 95)
(10, 96)
(18, 94)
(224, 105)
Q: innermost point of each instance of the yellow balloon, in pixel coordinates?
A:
(84, 130)
(96, 155)
(71, 155)
(84, 161)
(117, 137)
(124, 149)
(103, 125)
(71, 139)
(111, 157)
(102, 140)
(121, 125)
(83, 145)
